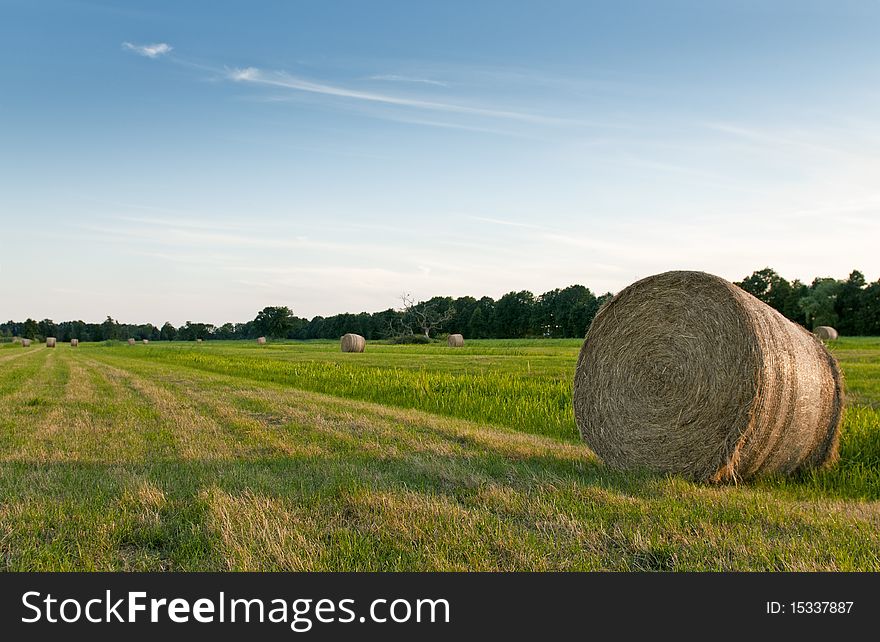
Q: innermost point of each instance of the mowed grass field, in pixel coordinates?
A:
(294, 456)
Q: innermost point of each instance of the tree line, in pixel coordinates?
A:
(852, 306)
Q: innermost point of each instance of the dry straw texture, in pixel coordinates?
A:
(825, 332)
(25, 343)
(74, 343)
(131, 342)
(261, 340)
(455, 341)
(50, 342)
(686, 373)
(353, 343)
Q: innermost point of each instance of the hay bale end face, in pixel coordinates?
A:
(25, 343)
(455, 341)
(261, 341)
(50, 342)
(685, 373)
(131, 342)
(826, 333)
(145, 341)
(353, 343)
(74, 343)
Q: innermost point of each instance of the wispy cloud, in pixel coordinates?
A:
(150, 51)
(252, 75)
(413, 79)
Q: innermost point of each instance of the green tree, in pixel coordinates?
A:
(514, 316)
(868, 317)
(109, 328)
(29, 329)
(168, 332)
(274, 321)
(849, 302)
(818, 304)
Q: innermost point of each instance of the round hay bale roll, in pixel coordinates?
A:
(261, 341)
(25, 343)
(685, 373)
(826, 333)
(74, 343)
(353, 343)
(145, 341)
(50, 342)
(131, 342)
(455, 341)
(198, 340)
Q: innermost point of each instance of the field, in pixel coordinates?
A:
(294, 456)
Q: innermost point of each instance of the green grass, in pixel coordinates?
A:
(295, 456)
(524, 386)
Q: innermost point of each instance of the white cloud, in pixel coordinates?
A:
(150, 51)
(287, 81)
(396, 78)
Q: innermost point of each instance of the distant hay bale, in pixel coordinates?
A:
(826, 333)
(74, 343)
(25, 343)
(145, 341)
(50, 342)
(686, 373)
(198, 340)
(261, 340)
(131, 342)
(455, 341)
(353, 343)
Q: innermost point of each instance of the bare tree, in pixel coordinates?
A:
(423, 315)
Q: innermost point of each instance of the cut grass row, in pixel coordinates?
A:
(535, 404)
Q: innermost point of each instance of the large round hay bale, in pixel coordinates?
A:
(198, 340)
(825, 332)
(145, 341)
(455, 341)
(74, 343)
(353, 343)
(131, 342)
(686, 373)
(25, 343)
(261, 341)
(50, 342)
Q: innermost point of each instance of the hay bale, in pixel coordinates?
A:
(353, 343)
(198, 340)
(25, 343)
(686, 373)
(455, 341)
(145, 341)
(74, 343)
(826, 333)
(131, 342)
(50, 342)
(261, 340)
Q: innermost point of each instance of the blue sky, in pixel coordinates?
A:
(200, 160)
